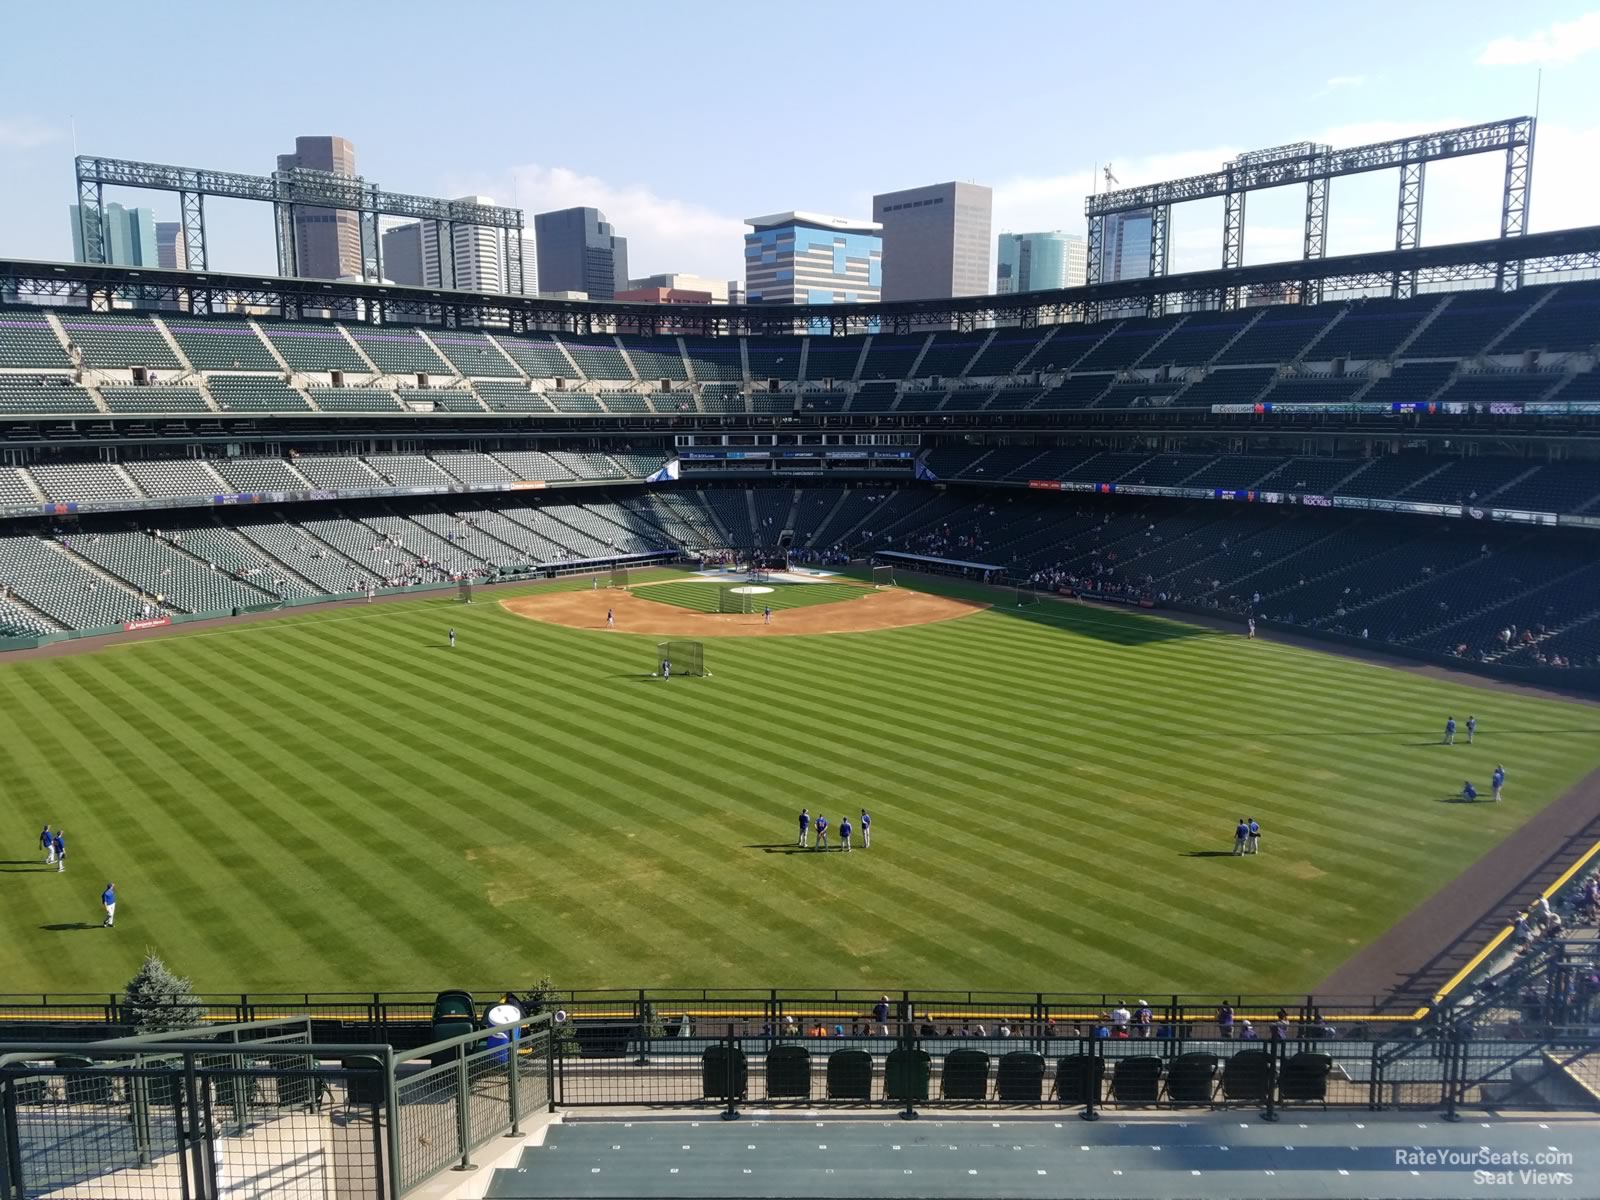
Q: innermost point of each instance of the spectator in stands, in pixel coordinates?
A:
(880, 1014)
(1121, 1017)
(1225, 1021)
(1142, 1019)
(1247, 1032)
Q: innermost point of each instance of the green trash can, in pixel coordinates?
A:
(906, 1074)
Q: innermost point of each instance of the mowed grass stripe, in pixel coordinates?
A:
(1022, 770)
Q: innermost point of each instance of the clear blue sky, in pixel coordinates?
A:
(681, 119)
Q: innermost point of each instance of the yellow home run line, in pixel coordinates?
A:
(1499, 939)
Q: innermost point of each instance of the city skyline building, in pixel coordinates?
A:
(579, 251)
(812, 258)
(683, 281)
(935, 241)
(171, 252)
(402, 254)
(128, 235)
(1125, 246)
(327, 241)
(1040, 261)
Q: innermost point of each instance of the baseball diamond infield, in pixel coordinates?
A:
(892, 608)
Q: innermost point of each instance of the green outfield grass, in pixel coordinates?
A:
(336, 800)
(701, 595)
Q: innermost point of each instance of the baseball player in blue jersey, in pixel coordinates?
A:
(805, 826)
(1472, 728)
(844, 833)
(59, 845)
(1241, 836)
(108, 901)
(1498, 781)
(866, 830)
(48, 845)
(821, 826)
(1450, 732)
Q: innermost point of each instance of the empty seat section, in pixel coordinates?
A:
(1468, 323)
(409, 470)
(399, 351)
(474, 468)
(1562, 487)
(823, 402)
(948, 355)
(574, 402)
(540, 357)
(159, 569)
(681, 402)
(1060, 462)
(16, 621)
(720, 360)
(878, 396)
(1316, 476)
(653, 358)
(599, 358)
(365, 545)
(1075, 391)
(1568, 321)
(473, 354)
(337, 473)
(1141, 393)
(26, 340)
(61, 587)
(1231, 385)
(1008, 350)
(114, 340)
(890, 357)
(1580, 388)
(14, 493)
(1126, 345)
(1109, 466)
(638, 465)
(832, 358)
(1371, 329)
(177, 477)
(1198, 340)
(1501, 387)
(216, 544)
(733, 514)
(965, 399)
(221, 345)
(439, 400)
(351, 399)
(157, 399)
(313, 347)
(1234, 471)
(968, 399)
(307, 555)
(260, 475)
(255, 393)
(81, 481)
(511, 397)
(722, 398)
(1464, 480)
(1167, 470)
(421, 543)
(1280, 335)
(587, 464)
(533, 464)
(1068, 347)
(772, 402)
(43, 394)
(774, 358)
(1412, 383)
(624, 402)
(1386, 476)
(1315, 389)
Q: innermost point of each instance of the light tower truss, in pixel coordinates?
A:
(1316, 166)
(288, 191)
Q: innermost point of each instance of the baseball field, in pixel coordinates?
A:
(338, 800)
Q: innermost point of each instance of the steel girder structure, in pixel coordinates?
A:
(285, 191)
(1554, 254)
(1316, 166)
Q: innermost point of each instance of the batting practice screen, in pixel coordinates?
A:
(731, 599)
(466, 591)
(687, 658)
(882, 576)
(619, 577)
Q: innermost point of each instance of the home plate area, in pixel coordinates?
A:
(1236, 1155)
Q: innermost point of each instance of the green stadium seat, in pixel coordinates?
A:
(1247, 1077)
(118, 340)
(255, 393)
(399, 351)
(965, 1076)
(219, 344)
(724, 1073)
(1192, 1079)
(906, 1072)
(26, 340)
(1304, 1079)
(849, 1075)
(1080, 1077)
(788, 1073)
(1019, 1078)
(1137, 1080)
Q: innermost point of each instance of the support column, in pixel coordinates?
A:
(1408, 221)
(1232, 237)
(1316, 237)
(91, 220)
(1514, 207)
(1160, 223)
(193, 207)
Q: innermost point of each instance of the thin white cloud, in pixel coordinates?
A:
(1345, 81)
(24, 133)
(1560, 43)
(663, 234)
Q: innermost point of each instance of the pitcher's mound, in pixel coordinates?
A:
(891, 608)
